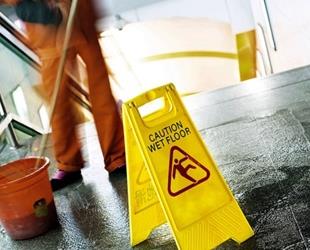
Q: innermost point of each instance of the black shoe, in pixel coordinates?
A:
(118, 172)
(62, 179)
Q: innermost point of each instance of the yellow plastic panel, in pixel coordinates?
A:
(145, 212)
(194, 197)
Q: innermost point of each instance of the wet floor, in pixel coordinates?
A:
(258, 135)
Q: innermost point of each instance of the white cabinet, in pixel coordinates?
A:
(283, 34)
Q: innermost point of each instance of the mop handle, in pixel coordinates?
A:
(60, 72)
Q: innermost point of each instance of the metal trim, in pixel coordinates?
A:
(266, 47)
(269, 24)
(16, 38)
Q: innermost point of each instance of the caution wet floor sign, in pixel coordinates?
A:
(172, 177)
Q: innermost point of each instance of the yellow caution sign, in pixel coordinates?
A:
(172, 177)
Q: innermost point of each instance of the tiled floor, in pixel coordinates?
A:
(257, 132)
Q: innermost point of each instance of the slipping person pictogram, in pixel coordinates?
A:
(190, 172)
(182, 170)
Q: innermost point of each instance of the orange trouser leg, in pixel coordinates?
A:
(67, 149)
(106, 116)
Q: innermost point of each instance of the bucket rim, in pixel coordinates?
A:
(29, 176)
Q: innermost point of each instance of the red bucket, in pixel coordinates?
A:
(27, 206)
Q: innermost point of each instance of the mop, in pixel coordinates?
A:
(60, 72)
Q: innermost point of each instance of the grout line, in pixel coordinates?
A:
(299, 229)
(300, 126)
(282, 190)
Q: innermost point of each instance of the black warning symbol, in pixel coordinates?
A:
(185, 172)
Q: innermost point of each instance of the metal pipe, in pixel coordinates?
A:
(10, 129)
(271, 32)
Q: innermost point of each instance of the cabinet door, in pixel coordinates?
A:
(286, 25)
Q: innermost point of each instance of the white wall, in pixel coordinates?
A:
(241, 16)
(236, 12)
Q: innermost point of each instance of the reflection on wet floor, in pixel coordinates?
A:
(263, 153)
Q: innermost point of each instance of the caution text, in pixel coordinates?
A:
(167, 135)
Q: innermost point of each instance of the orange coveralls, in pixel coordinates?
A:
(47, 40)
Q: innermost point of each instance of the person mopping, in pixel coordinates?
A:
(45, 25)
